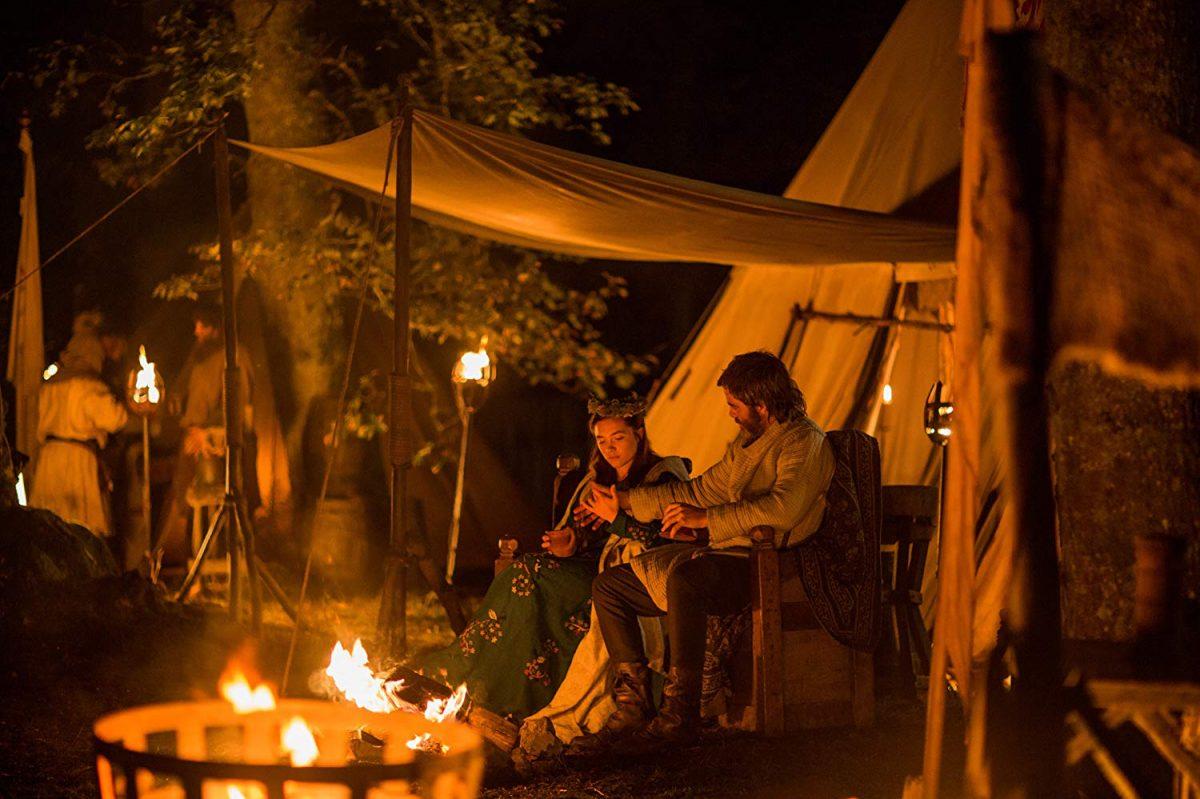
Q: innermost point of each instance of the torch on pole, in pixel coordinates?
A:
(146, 391)
(472, 374)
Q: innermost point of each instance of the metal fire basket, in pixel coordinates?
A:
(207, 750)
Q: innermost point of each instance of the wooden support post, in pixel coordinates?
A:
(392, 623)
(1017, 213)
(767, 624)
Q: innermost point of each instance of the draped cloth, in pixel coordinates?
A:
(26, 353)
(839, 564)
(516, 191)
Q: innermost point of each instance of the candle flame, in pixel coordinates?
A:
(474, 365)
(145, 388)
(887, 394)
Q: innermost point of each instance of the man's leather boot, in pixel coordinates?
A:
(678, 720)
(631, 691)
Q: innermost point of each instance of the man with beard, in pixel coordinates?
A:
(775, 473)
(202, 423)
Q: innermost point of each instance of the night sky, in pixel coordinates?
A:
(731, 92)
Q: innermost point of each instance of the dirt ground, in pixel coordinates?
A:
(72, 656)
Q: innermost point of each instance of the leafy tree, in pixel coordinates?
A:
(299, 73)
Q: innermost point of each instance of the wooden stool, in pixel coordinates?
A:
(203, 502)
(909, 514)
(801, 678)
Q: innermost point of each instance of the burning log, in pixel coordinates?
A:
(405, 690)
(417, 690)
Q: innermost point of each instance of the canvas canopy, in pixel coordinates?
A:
(519, 192)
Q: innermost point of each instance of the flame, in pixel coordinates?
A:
(237, 691)
(443, 709)
(50, 371)
(245, 790)
(887, 394)
(145, 387)
(354, 678)
(298, 741)
(473, 365)
(425, 742)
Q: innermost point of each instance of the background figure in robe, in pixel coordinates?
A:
(76, 414)
(202, 423)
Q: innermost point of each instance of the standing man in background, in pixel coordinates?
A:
(76, 414)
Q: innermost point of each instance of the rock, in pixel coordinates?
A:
(537, 740)
(38, 550)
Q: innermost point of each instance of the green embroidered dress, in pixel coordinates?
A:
(518, 646)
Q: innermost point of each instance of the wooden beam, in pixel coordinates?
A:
(805, 313)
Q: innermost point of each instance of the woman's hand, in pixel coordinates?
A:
(603, 502)
(559, 543)
(585, 519)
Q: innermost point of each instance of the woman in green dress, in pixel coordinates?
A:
(517, 648)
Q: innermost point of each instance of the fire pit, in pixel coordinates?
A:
(293, 749)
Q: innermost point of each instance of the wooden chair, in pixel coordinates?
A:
(909, 521)
(801, 677)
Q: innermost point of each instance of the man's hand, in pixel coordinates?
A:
(195, 441)
(559, 543)
(603, 502)
(678, 516)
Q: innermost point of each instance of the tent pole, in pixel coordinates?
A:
(392, 621)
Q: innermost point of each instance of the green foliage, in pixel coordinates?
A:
(542, 329)
(473, 60)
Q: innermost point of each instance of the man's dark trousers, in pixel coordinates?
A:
(710, 584)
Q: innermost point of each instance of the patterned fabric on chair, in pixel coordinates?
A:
(839, 564)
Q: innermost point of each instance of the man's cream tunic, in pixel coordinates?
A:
(778, 480)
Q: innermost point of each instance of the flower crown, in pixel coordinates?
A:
(617, 408)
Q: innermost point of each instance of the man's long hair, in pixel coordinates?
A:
(759, 378)
(643, 459)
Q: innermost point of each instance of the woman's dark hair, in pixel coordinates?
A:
(643, 460)
(759, 378)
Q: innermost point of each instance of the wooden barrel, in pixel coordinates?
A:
(339, 540)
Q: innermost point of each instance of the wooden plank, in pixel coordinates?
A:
(1144, 694)
(797, 616)
(766, 622)
(1161, 733)
(863, 679)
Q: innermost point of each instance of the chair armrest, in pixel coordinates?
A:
(507, 553)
